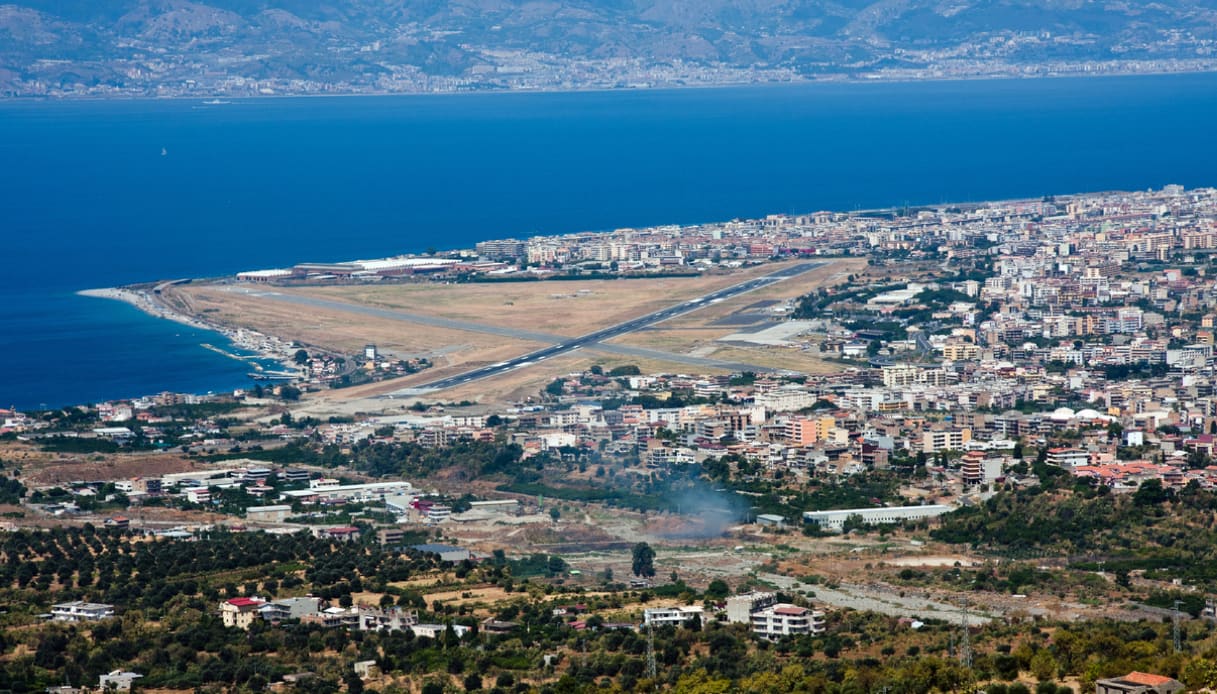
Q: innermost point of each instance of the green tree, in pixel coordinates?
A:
(1151, 493)
(643, 563)
(1043, 666)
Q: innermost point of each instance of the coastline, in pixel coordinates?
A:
(833, 79)
(148, 305)
(264, 347)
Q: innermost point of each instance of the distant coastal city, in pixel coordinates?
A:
(543, 73)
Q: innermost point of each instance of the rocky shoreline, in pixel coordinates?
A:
(141, 300)
(264, 346)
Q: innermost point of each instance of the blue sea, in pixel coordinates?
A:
(102, 193)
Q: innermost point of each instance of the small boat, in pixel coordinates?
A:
(216, 102)
(164, 152)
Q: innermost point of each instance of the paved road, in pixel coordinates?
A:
(884, 600)
(557, 344)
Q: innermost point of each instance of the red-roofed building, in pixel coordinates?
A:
(240, 612)
(1138, 683)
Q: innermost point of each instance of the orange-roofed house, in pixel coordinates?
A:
(1138, 683)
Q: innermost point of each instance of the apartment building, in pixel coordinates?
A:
(783, 619)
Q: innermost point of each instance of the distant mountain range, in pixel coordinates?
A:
(241, 47)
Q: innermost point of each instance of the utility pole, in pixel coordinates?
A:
(965, 648)
(652, 670)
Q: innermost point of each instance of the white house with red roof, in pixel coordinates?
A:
(240, 612)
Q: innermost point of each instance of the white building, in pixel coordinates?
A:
(835, 520)
(784, 619)
(117, 681)
(80, 611)
(785, 400)
(435, 631)
(671, 616)
(438, 513)
(270, 514)
(331, 489)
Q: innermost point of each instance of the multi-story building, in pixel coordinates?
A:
(945, 440)
(741, 607)
(1068, 458)
(900, 375)
(503, 249)
(972, 468)
(784, 619)
(671, 616)
(290, 608)
(804, 431)
(240, 612)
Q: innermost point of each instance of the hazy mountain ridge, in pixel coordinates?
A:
(239, 46)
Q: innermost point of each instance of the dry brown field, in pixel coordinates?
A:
(566, 308)
(43, 468)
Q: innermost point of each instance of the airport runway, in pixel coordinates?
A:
(558, 344)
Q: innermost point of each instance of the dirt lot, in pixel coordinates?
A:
(42, 469)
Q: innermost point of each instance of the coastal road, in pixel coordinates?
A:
(558, 344)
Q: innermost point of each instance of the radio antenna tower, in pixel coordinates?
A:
(1175, 632)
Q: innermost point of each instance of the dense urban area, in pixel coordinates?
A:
(994, 474)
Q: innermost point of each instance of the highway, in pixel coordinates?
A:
(629, 326)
